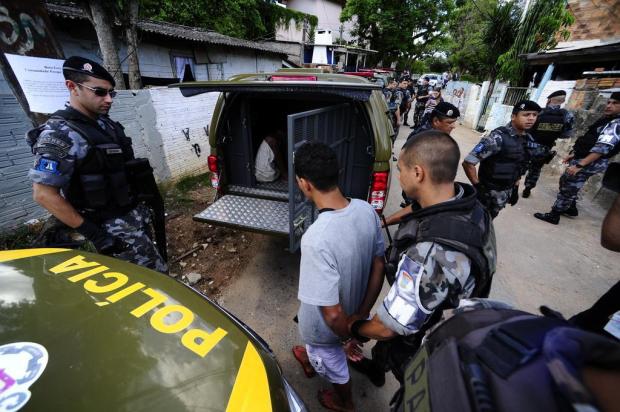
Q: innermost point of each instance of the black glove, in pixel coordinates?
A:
(478, 187)
(103, 242)
(514, 196)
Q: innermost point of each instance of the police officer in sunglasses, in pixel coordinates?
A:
(84, 170)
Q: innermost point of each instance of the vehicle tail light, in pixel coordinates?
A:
(292, 78)
(215, 177)
(378, 191)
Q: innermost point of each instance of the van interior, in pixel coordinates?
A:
(275, 207)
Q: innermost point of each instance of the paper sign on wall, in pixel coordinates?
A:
(41, 81)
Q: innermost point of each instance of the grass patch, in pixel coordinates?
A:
(191, 182)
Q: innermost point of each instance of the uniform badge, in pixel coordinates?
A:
(47, 166)
(479, 148)
(450, 112)
(88, 67)
(522, 106)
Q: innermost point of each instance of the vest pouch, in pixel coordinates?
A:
(120, 189)
(94, 188)
(141, 179)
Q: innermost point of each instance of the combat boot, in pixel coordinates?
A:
(552, 217)
(572, 210)
(526, 192)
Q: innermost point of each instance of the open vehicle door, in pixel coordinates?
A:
(329, 125)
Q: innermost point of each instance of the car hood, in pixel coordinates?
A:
(118, 337)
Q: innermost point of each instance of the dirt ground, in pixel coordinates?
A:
(217, 254)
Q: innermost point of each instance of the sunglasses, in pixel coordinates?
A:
(100, 91)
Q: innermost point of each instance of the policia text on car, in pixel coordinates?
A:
(85, 173)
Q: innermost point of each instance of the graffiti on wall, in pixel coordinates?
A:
(25, 29)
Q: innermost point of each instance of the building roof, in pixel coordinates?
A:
(173, 30)
(574, 51)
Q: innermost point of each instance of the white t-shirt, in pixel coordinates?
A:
(265, 165)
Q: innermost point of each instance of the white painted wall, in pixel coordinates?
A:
(472, 111)
(328, 14)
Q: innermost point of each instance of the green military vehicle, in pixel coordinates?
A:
(346, 112)
(86, 332)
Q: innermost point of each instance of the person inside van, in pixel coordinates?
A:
(270, 164)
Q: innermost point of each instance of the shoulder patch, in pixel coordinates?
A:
(47, 166)
(54, 144)
(479, 148)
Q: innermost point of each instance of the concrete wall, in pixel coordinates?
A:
(461, 102)
(474, 104)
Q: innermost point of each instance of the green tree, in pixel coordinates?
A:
(480, 32)
(400, 30)
(545, 22)
(246, 19)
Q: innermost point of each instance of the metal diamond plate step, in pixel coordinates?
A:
(265, 190)
(250, 213)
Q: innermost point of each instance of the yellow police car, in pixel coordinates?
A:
(85, 332)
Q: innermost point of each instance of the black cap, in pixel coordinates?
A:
(557, 93)
(447, 109)
(526, 106)
(615, 96)
(85, 66)
(427, 78)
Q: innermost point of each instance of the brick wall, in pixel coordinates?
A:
(595, 19)
(16, 204)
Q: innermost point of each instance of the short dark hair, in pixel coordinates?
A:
(76, 77)
(437, 151)
(317, 163)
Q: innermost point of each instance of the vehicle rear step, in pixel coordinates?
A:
(264, 190)
(248, 213)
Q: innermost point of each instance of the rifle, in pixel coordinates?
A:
(140, 175)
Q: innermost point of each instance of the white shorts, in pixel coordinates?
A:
(330, 362)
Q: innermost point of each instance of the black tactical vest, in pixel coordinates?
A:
(585, 143)
(502, 170)
(548, 126)
(99, 185)
(462, 225)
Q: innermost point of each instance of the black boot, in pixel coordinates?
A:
(572, 210)
(552, 217)
(526, 192)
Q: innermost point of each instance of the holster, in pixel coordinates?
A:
(142, 181)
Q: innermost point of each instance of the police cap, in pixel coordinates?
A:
(85, 66)
(526, 106)
(447, 110)
(557, 93)
(615, 96)
(426, 78)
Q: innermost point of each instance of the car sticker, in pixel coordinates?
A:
(21, 364)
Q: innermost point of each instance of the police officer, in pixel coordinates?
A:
(443, 252)
(405, 100)
(552, 123)
(590, 156)
(411, 90)
(503, 158)
(442, 118)
(81, 170)
(421, 96)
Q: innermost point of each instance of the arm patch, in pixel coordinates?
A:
(47, 166)
(53, 145)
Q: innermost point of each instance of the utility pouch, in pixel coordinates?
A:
(140, 176)
(94, 188)
(119, 188)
